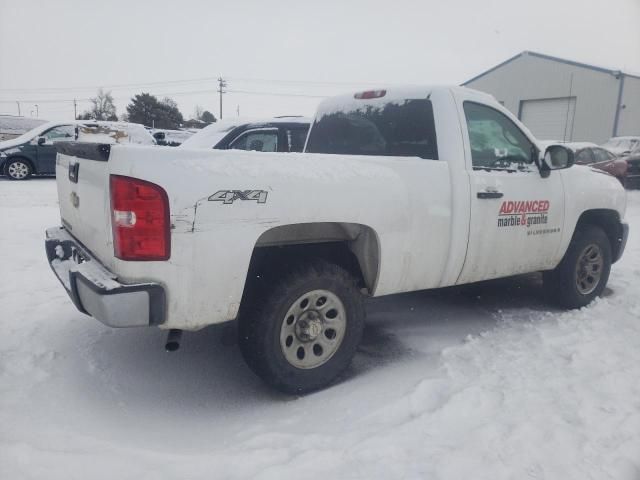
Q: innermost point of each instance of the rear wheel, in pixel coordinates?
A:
(18, 169)
(584, 271)
(300, 333)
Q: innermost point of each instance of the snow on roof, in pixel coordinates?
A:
(113, 132)
(575, 146)
(135, 132)
(579, 145)
(395, 94)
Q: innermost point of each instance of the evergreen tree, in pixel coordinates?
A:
(151, 112)
(207, 117)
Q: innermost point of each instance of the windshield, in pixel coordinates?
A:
(210, 136)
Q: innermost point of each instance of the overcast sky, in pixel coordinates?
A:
(287, 52)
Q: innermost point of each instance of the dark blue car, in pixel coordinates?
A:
(35, 152)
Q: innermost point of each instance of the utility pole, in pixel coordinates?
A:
(36, 105)
(18, 108)
(75, 109)
(221, 84)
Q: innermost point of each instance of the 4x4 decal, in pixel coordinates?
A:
(227, 197)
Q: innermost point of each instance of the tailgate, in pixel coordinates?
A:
(82, 177)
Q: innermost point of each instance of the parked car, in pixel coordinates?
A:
(399, 192)
(600, 158)
(622, 146)
(35, 151)
(278, 134)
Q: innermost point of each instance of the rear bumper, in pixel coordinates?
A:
(95, 291)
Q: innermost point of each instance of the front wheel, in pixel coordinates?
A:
(18, 169)
(584, 271)
(302, 332)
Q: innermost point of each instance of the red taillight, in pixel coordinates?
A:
(140, 220)
(370, 94)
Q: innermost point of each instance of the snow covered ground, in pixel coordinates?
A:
(480, 382)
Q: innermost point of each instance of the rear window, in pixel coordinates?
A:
(398, 129)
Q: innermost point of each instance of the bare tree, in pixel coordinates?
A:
(102, 107)
(197, 112)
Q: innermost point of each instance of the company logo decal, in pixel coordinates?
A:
(523, 213)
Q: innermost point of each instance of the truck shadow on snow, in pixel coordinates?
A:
(423, 323)
(209, 370)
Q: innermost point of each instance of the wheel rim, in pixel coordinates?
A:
(18, 170)
(313, 329)
(589, 269)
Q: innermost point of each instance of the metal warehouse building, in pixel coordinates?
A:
(564, 100)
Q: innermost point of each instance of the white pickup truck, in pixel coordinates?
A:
(399, 190)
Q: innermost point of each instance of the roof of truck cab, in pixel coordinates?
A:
(395, 94)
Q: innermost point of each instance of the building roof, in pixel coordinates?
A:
(553, 59)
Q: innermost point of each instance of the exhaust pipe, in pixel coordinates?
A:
(173, 340)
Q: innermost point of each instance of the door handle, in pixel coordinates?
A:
(488, 195)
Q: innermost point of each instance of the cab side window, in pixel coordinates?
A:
(496, 142)
(257, 140)
(63, 133)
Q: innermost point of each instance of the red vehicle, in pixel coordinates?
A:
(602, 159)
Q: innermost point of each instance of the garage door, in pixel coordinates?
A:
(550, 119)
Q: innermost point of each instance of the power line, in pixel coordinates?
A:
(277, 94)
(189, 92)
(95, 87)
(303, 82)
(185, 81)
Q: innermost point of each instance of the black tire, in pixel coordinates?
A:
(262, 326)
(18, 169)
(567, 284)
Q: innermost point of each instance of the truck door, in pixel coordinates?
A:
(46, 152)
(516, 214)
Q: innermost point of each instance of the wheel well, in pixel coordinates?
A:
(353, 246)
(8, 160)
(609, 221)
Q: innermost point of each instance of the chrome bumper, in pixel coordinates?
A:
(95, 291)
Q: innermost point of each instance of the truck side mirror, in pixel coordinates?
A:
(42, 140)
(557, 157)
